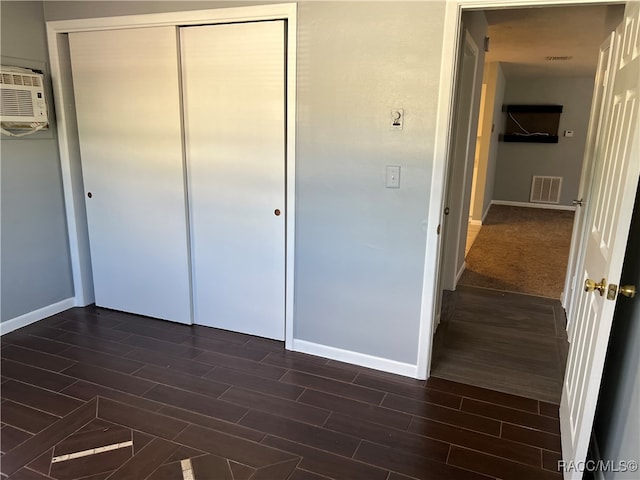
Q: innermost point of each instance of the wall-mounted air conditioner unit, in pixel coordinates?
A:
(23, 106)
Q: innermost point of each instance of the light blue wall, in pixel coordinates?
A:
(35, 260)
(359, 246)
(519, 162)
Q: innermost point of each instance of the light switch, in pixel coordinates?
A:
(393, 176)
(568, 133)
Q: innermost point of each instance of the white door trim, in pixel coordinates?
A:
(448, 72)
(68, 137)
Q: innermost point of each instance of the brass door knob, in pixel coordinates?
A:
(628, 291)
(591, 285)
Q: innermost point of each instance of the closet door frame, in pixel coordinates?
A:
(57, 33)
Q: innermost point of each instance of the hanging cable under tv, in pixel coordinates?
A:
(532, 123)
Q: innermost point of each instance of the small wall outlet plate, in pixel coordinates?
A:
(568, 133)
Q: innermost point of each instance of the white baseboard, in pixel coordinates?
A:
(361, 359)
(31, 317)
(547, 206)
(486, 212)
(460, 272)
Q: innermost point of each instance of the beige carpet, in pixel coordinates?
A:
(522, 250)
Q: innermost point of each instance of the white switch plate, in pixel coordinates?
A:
(397, 118)
(393, 176)
(568, 133)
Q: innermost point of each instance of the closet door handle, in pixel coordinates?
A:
(276, 212)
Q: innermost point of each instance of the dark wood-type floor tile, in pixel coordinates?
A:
(139, 419)
(529, 436)
(497, 467)
(182, 380)
(309, 364)
(35, 376)
(47, 438)
(417, 392)
(96, 328)
(278, 406)
(213, 423)
(242, 451)
(442, 414)
(549, 409)
(478, 393)
(254, 382)
(502, 341)
(28, 474)
(328, 464)
(109, 378)
(43, 360)
(86, 391)
(246, 409)
(11, 437)
(162, 347)
(364, 411)
(196, 403)
(162, 360)
(343, 389)
(33, 343)
(249, 366)
(38, 398)
(105, 462)
(25, 418)
(527, 454)
(510, 415)
(303, 433)
(415, 466)
(389, 437)
(103, 360)
(299, 474)
(144, 463)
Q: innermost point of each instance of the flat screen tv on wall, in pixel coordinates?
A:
(531, 123)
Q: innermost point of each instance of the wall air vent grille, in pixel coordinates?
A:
(545, 189)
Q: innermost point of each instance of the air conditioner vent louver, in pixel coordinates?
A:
(545, 189)
(15, 79)
(16, 103)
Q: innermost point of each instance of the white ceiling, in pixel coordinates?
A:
(521, 39)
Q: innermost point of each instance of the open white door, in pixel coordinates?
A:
(460, 174)
(600, 100)
(617, 167)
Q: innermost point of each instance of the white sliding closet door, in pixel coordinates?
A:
(127, 94)
(234, 106)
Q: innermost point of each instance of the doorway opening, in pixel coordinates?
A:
(493, 333)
